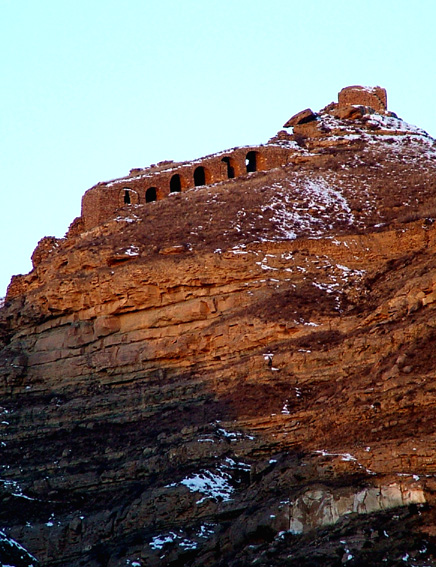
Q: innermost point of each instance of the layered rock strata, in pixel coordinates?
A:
(239, 374)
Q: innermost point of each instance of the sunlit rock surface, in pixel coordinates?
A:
(237, 374)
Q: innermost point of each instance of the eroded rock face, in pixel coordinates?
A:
(212, 379)
(323, 507)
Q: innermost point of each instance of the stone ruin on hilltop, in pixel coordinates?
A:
(374, 97)
(101, 202)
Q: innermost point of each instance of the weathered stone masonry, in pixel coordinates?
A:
(374, 97)
(156, 182)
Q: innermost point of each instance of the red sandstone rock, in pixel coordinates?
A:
(301, 118)
(44, 248)
(349, 112)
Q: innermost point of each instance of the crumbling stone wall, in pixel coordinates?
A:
(374, 97)
(102, 201)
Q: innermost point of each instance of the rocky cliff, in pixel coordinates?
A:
(240, 374)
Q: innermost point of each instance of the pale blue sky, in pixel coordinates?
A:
(93, 88)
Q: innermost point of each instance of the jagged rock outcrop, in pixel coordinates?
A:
(301, 117)
(238, 374)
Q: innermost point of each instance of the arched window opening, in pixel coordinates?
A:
(150, 195)
(251, 161)
(230, 167)
(127, 196)
(199, 176)
(175, 184)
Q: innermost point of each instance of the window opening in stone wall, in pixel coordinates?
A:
(230, 167)
(127, 200)
(175, 184)
(199, 176)
(251, 162)
(150, 195)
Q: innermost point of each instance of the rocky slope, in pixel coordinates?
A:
(241, 374)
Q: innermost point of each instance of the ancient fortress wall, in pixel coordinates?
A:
(101, 202)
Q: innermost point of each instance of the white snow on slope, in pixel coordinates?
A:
(319, 202)
(217, 484)
(205, 531)
(212, 485)
(397, 124)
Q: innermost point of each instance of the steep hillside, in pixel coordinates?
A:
(238, 374)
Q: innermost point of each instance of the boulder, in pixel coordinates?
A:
(302, 117)
(349, 112)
